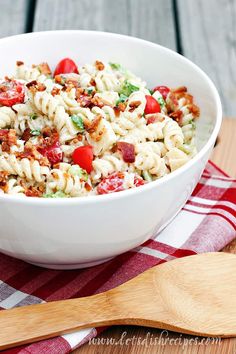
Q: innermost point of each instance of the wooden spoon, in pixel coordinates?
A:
(194, 295)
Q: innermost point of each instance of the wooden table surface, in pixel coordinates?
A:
(154, 341)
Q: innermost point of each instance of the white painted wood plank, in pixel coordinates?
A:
(12, 17)
(208, 32)
(152, 20)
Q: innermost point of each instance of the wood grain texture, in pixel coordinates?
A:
(208, 32)
(132, 17)
(127, 337)
(12, 17)
(168, 296)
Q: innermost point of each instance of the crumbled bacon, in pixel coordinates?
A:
(127, 151)
(33, 192)
(34, 86)
(122, 106)
(97, 101)
(8, 139)
(133, 105)
(153, 118)
(177, 116)
(194, 110)
(19, 63)
(99, 65)
(26, 134)
(88, 187)
(44, 69)
(3, 180)
(92, 82)
(119, 108)
(55, 91)
(83, 98)
(180, 89)
(94, 124)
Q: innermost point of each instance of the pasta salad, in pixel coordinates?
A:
(91, 129)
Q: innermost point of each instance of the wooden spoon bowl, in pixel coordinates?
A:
(194, 295)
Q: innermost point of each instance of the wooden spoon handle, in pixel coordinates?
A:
(36, 322)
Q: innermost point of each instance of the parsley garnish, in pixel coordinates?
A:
(121, 99)
(115, 66)
(90, 90)
(161, 101)
(35, 132)
(128, 88)
(58, 194)
(78, 122)
(33, 116)
(76, 170)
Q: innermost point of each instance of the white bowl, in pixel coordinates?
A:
(80, 232)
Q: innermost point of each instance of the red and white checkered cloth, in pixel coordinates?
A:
(206, 223)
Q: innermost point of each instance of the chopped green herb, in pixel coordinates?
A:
(33, 116)
(76, 170)
(35, 132)
(193, 124)
(121, 99)
(128, 88)
(58, 194)
(151, 91)
(90, 90)
(78, 122)
(115, 66)
(161, 102)
(147, 176)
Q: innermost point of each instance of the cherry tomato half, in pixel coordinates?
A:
(83, 156)
(138, 181)
(164, 90)
(152, 106)
(66, 66)
(11, 92)
(112, 183)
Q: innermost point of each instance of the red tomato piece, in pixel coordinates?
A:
(53, 152)
(127, 150)
(66, 66)
(152, 106)
(138, 181)
(83, 156)
(111, 184)
(11, 92)
(164, 90)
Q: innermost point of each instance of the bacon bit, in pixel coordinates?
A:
(177, 116)
(47, 131)
(84, 100)
(80, 137)
(34, 86)
(171, 102)
(94, 124)
(97, 101)
(153, 118)
(87, 187)
(116, 111)
(180, 89)
(114, 148)
(55, 91)
(92, 82)
(99, 65)
(121, 106)
(3, 180)
(44, 69)
(194, 109)
(8, 139)
(31, 83)
(19, 63)
(133, 105)
(33, 192)
(26, 134)
(127, 151)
